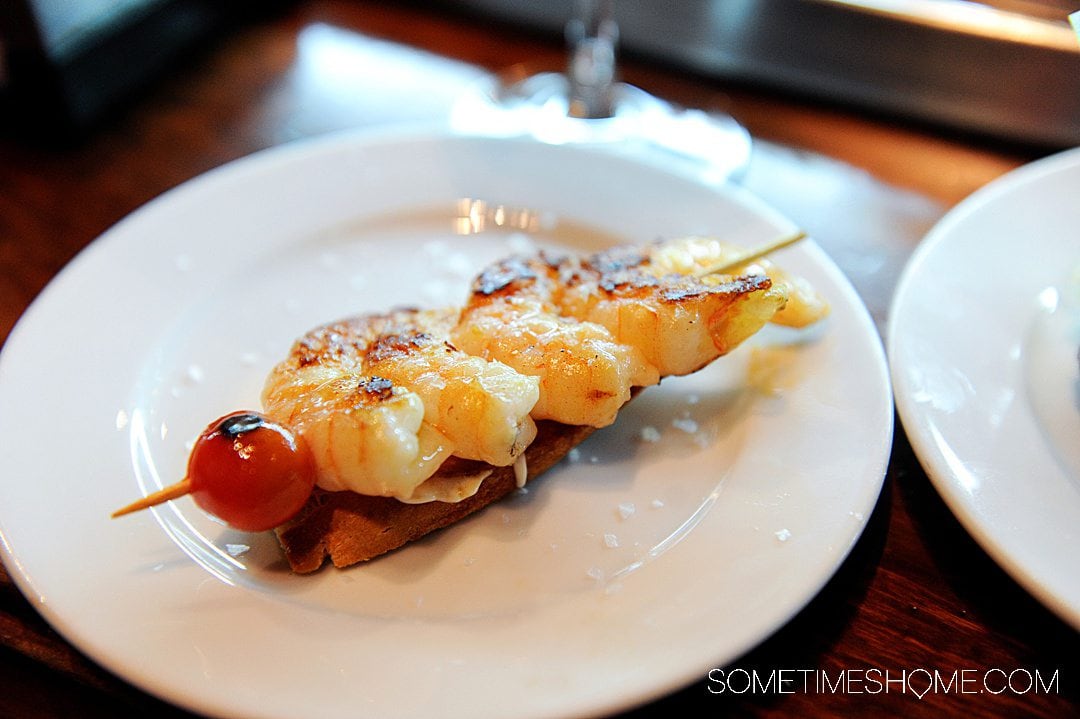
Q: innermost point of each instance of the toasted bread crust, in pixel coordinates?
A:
(348, 527)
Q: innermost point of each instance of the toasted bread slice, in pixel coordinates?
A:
(348, 527)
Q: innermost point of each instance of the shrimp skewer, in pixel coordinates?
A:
(384, 400)
(428, 416)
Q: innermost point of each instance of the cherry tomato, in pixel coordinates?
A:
(250, 472)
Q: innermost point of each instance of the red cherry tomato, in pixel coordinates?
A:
(250, 472)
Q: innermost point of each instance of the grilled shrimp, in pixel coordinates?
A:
(690, 255)
(365, 434)
(382, 401)
(646, 298)
(678, 321)
(482, 407)
(585, 376)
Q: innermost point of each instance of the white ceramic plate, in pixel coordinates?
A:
(983, 342)
(625, 573)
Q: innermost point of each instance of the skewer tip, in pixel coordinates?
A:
(752, 254)
(173, 491)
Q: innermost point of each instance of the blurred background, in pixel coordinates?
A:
(1006, 69)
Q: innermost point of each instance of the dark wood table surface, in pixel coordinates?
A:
(915, 593)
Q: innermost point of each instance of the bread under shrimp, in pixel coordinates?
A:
(611, 308)
(349, 528)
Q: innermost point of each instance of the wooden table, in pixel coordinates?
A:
(915, 593)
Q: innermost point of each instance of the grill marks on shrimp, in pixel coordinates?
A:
(503, 275)
(377, 387)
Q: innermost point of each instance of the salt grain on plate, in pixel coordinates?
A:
(685, 424)
(650, 434)
(194, 374)
(783, 535)
(611, 541)
(626, 510)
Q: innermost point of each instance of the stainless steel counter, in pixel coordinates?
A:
(1010, 69)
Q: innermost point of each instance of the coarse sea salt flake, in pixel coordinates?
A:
(650, 434)
(194, 374)
(611, 541)
(235, 550)
(626, 510)
(783, 535)
(685, 424)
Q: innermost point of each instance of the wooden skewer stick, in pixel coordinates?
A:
(750, 255)
(173, 491)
